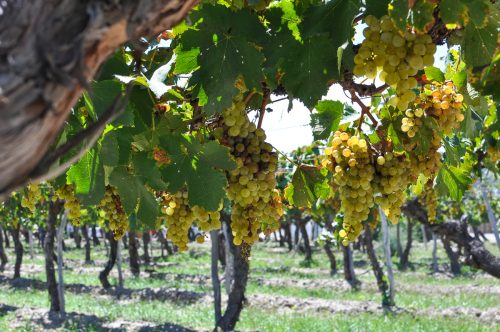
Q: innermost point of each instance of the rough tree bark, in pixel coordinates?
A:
(85, 232)
(54, 209)
(452, 256)
(404, 260)
(18, 248)
(307, 245)
(328, 247)
(77, 237)
(3, 256)
(133, 252)
(288, 235)
(7, 242)
(236, 274)
(146, 239)
(378, 272)
(49, 50)
(103, 275)
(349, 274)
(95, 239)
(399, 247)
(434, 264)
(214, 268)
(476, 255)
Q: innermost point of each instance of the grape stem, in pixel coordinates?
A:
(265, 98)
(284, 155)
(364, 110)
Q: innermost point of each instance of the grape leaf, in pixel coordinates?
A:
(147, 210)
(479, 44)
(226, 41)
(186, 61)
(434, 74)
(147, 172)
(454, 12)
(308, 185)
(419, 16)
(126, 185)
(88, 177)
(333, 17)
(326, 119)
(376, 8)
(103, 94)
(453, 181)
(110, 149)
(200, 167)
(308, 68)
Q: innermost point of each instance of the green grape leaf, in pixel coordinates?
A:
(147, 210)
(479, 44)
(110, 149)
(434, 74)
(452, 150)
(127, 188)
(226, 41)
(423, 136)
(453, 181)
(377, 8)
(206, 187)
(186, 61)
(88, 177)
(147, 172)
(333, 17)
(308, 68)
(103, 94)
(308, 185)
(326, 119)
(459, 12)
(459, 79)
(195, 165)
(419, 16)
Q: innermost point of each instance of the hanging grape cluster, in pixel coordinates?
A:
(429, 200)
(444, 104)
(179, 218)
(256, 206)
(66, 193)
(353, 173)
(111, 209)
(396, 57)
(32, 195)
(391, 179)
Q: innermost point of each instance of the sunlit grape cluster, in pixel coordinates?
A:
(179, 218)
(429, 200)
(397, 57)
(111, 209)
(32, 195)
(412, 121)
(443, 103)
(256, 206)
(353, 173)
(392, 178)
(66, 193)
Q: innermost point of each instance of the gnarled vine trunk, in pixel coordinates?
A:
(133, 252)
(236, 274)
(452, 256)
(54, 209)
(378, 272)
(18, 248)
(476, 255)
(49, 50)
(307, 244)
(146, 240)
(349, 274)
(404, 259)
(3, 256)
(95, 238)
(85, 232)
(113, 245)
